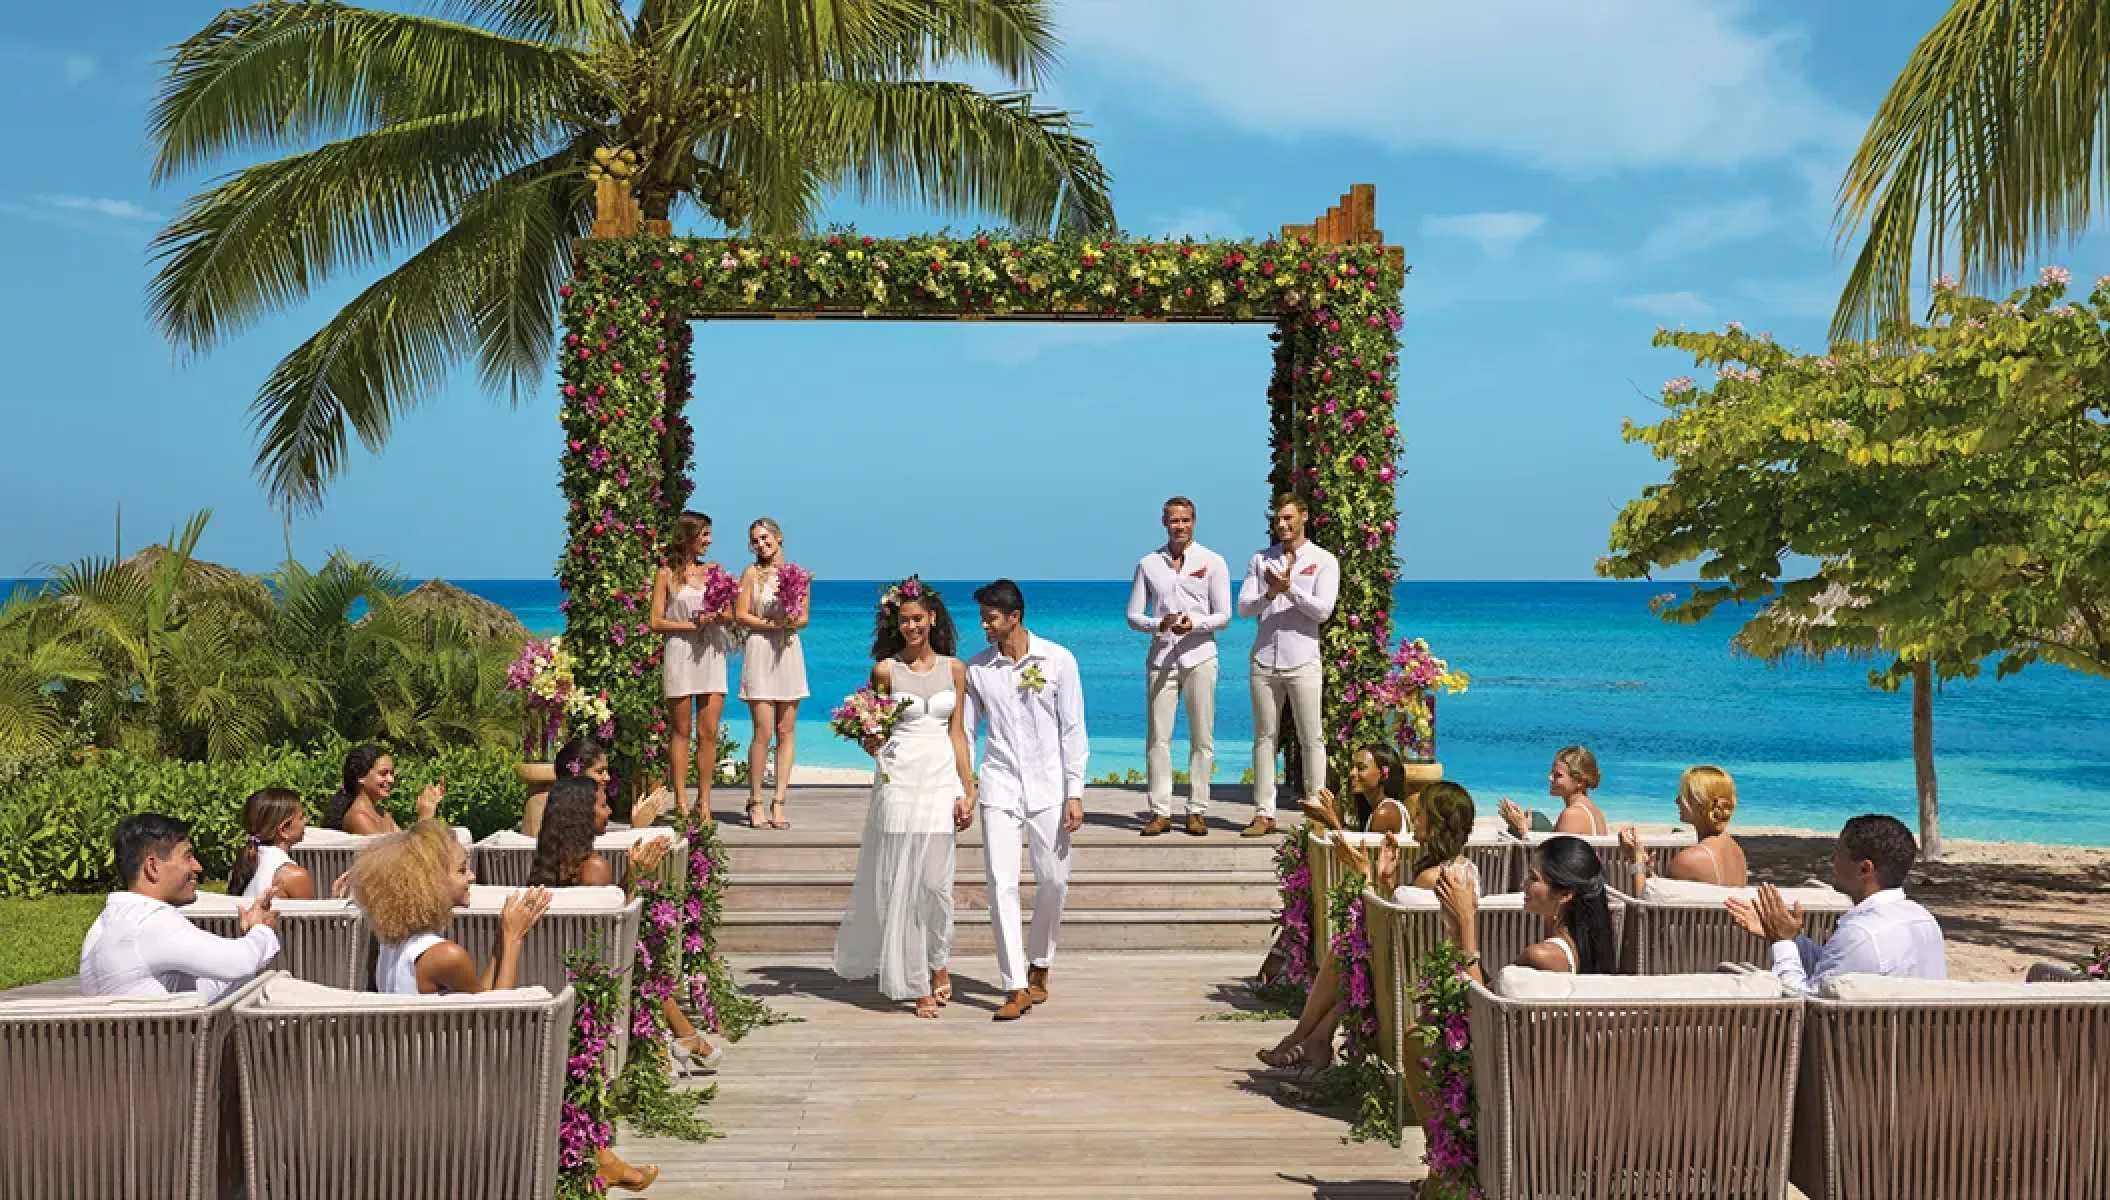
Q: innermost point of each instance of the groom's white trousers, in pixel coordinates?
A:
(1043, 834)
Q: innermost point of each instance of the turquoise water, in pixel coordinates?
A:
(1551, 663)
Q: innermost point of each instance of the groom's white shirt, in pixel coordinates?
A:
(1035, 755)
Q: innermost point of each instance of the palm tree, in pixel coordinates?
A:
(465, 137)
(1994, 136)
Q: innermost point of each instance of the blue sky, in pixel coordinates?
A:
(1565, 177)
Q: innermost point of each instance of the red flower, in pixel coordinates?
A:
(793, 260)
(1267, 268)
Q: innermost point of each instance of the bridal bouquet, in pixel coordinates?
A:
(794, 584)
(866, 714)
(719, 589)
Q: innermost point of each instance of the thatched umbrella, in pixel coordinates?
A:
(436, 600)
(197, 575)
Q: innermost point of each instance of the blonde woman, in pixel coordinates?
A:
(1706, 801)
(1573, 776)
(773, 669)
(693, 661)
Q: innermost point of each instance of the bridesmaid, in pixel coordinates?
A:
(773, 670)
(692, 665)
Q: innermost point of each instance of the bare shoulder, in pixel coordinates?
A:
(293, 882)
(446, 967)
(1693, 865)
(882, 676)
(1543, 956)
(1428, 878)
(594, 872)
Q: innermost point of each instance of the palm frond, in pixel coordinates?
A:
(578, 24)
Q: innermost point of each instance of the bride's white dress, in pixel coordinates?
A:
(899, 923)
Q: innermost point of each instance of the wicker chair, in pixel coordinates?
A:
(321, 941)
(504, 858)
(327, 853)
(1677, 927)
(348, 1095)
(1604, 1086)
(2044, 972)
(119, 1097)
(1661, 848)
(1936, 1090)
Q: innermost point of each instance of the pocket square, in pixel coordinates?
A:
(1199, 572)
(1313, 569)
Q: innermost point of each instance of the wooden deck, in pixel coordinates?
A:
(1115, 1088)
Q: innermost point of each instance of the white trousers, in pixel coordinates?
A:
(1163, 687)
(1301, 686)
(1004, 835)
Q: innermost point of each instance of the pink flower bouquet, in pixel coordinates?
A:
(719, 589)
(865, 713)
(794, 586)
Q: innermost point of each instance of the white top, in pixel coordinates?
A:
(1200, 587)
(1885, 934)
(1036, 752)
(396, 965)
(268, 860)
(1289, 623)
(142, 947)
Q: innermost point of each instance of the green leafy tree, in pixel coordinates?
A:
(1939, 501)
(461, 142)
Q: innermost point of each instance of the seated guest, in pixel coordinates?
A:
(1706, 801)
(1883, 934)
(408, 885)
(577, 811)
(1440, 833)
(1573, 775)
(584, 757)
(272, 820)
(1565, 889)
(141, 946)
(369, 779)
(1377, 794)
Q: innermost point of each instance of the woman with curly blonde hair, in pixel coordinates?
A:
(1706, 801)
(408, 884)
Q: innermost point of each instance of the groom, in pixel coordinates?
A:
(1031, 784)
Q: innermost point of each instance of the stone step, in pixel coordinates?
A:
(790, 851)
(813, 931)
(1112, 890)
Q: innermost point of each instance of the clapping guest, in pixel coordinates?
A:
(1291, 587)
(1885, 933)
(1706, 801)
(1181, 597)
(141, 946)
(273, 819)
(564, 857)
(773, 669)
(1377, 794)
(584, 758)
(693, 660)
(1566, 889)
(408, 885)
(369, 780)
(1573, 775)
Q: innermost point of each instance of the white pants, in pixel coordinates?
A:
(1163, 687)
(1269, 686)
(1003, 831)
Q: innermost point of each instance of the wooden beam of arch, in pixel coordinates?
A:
(1352, 222)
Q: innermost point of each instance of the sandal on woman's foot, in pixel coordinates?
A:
(927, 1008)
(1282, 1057)
(778, 817)
(754, 818)
(693, 1053)
(941, 987)
(637, 1180)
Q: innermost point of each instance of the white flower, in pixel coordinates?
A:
(2055, 276)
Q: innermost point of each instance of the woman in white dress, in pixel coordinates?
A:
(693, 661)
(899, 923)
(273, 819)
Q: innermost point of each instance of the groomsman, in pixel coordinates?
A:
(1291, 587)
(1181, 596)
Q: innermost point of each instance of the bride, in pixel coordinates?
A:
(899, 924)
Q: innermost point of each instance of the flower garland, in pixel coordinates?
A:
(1452, 1151)
(1367, 1081)
(626, 380)
(584, 1125)
(715, 998)
(1293, 920)
(2097, 964)
(644, 1093)
(1409, 691)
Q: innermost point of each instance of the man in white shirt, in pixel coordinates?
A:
(141, 946)
(1291, 586)
(1030, 787)
(1181, 596)
(1883, 934)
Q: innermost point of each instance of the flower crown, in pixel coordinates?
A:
(912, 588)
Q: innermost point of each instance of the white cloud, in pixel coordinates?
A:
(102, 206)
(1670, 306)
(1815, 298)
(1579, 88)
(1496, 232)
(1696, 229)
(1012, 345)
(72, 68)
(1582, 266)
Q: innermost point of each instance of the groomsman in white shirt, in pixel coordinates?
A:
(141, 946)
(1291, 587)
(1181, 596)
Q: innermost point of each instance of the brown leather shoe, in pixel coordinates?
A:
(1157, 825)
(1037, 984)
(1197, 826)
(1016, 1005)
(1261, 827)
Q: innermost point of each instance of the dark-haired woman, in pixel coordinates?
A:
(899, 922)
(1377, 794)
(693, 659)
(369, 779)
(1566, 889)
(272, 820)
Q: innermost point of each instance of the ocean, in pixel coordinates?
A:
(2026, 758)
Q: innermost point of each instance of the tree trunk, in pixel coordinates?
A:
(1923, 760)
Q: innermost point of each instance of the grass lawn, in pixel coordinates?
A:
(41, 939)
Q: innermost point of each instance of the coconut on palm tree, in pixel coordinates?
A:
(461, 150)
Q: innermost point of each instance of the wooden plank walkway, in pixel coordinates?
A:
(1116, 1087)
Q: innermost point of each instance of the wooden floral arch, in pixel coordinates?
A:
(1330, 288)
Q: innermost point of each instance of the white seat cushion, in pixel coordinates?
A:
(1660, 839)
(320, 837)
(100, 1005)
(508, 839)
(1685, 893)
(1524, 983)
(286, 992)
(485, 897)
(623, 839)
(221, 904)
(1878, 989)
